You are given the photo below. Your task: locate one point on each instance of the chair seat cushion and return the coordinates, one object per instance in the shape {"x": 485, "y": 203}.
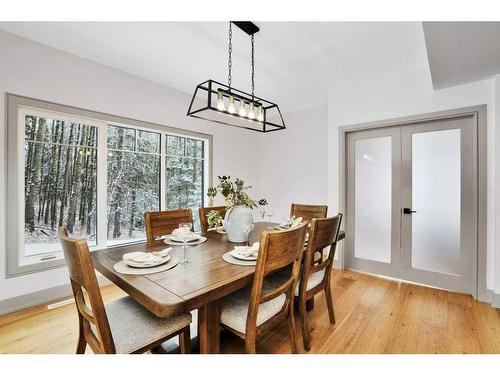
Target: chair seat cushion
{"x": 234, "y": 308}
{"x": 315, "y": 279}
{"x": 278, "y": 278}
{"x": 134, "y": 327}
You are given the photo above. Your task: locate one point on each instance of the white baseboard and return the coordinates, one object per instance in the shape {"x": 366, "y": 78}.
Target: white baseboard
{"x": 40, "y": 297}
{"x": 496, "y": 301}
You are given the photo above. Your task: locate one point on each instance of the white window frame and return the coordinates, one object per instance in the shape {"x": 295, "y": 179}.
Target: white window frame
{"x": 17, "y": 108}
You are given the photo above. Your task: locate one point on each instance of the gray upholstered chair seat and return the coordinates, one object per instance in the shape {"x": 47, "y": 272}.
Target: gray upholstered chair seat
{"x": 234, "y": 308}
{"x": 280, "y": 277}
{"x": 315, "y": 279}
{"x": 132, "y": 326}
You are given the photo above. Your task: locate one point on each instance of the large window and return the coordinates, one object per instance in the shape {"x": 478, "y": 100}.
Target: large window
{"x": 184, "y": 174}
{"x": 95, "y": 174}
{"x": 60, "y": 170}
{"x": 133, "y": 181}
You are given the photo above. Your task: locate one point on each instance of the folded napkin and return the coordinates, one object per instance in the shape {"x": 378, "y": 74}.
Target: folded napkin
{"x": 184, "y": 234}
{"x": 142, "y": 257}
{"x": 248, "y": 251}
{"x": 291, "y": 222}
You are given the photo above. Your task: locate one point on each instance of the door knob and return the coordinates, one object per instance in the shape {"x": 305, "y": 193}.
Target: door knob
{"x": 408, "y": 211}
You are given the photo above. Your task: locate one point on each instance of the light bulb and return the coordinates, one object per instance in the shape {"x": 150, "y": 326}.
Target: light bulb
{"x": 230, "y": 107}
{"x": 220, "y": 101}
{"x": 242, "y": 112}
{"x": 260, "y": 115}
{"x": 251, "y": 112}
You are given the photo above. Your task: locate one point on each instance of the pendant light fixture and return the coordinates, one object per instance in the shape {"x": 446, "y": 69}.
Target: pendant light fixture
{"x": 227, "y": 105}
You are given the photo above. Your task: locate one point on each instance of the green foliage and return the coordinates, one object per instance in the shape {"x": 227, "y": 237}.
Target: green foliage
{"x": 234, "y": 192}
{"x": 212, "y": 192}
{"x": 214, "y": 219}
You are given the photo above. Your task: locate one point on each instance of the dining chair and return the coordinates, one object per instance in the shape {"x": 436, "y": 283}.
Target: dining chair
{"x": 204, "y": 211}
{"x": 315, "y": 275}
{"x": 308, "y": 211}
{"x": 161, "y": 223}
{"x": 252, "y": 311}
{"x": 122, "y": 326}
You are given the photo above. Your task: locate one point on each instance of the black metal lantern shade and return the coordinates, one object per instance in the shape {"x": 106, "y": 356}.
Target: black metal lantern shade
{"x": 214, "y": 101}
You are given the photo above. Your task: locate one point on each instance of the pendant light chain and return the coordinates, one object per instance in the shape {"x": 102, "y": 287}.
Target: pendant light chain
{"x": 230, "y": 61}
{"x": 253, "y": 66}
{"x": 232, "y": 106}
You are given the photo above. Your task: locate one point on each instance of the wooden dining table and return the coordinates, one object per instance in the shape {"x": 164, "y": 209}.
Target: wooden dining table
{"x": 199, "y": 284}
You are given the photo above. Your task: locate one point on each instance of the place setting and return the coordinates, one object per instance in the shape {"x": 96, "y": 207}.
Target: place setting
{"x": 144, "y": 263}
{"x": 290, "y": 223}
{"x": 243, "y": 255}
{"x": 183, "y": 236}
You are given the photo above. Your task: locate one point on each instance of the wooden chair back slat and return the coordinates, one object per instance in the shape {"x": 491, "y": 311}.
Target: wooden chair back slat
{"x": 83, "y": 309}
{"x": 308, "y": 211}
{"x": 204, "y": 211}
{"x": 83, "y": 277}
{"x": 161, "y": 223}
{"x": 276, "y": 292}
{"x": 323, "y": 233}
{"x": 277, "y": 250}
{"x": 280, "y": 247}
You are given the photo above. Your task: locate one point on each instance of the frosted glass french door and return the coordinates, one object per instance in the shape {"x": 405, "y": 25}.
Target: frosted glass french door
{"x": 373, "y": 210}
{"x": 439, "y": 203}
{"x": 411, "y": 202}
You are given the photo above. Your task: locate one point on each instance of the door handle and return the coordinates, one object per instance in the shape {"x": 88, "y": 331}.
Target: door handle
{"x": 408, "y": 211}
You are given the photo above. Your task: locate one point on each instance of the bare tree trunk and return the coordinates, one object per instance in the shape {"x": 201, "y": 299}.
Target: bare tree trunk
{"x": 75, "y": 187}
{"x": 66, "y": 169}
{"x": 133, "y": 208}
{"x": 57, "y": 160}
{"x": 118, "y": 193}
{"x": 34, "y": 182}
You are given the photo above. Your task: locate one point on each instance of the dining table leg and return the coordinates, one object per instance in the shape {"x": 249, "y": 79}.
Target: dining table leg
{"x": 208, "y": 328}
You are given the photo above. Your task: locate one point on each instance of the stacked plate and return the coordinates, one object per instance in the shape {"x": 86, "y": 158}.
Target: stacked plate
{"x": 146, "y": 260}
{"x": 241, "y": 256}
{"x": 176, "y": 241}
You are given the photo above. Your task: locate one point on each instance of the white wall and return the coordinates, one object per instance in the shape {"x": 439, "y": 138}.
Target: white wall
{"x": 33, "y": 70}
{"x": 294, "y": 162}
{"x": 403, "y": 94}
{"x": 496, "y": 206}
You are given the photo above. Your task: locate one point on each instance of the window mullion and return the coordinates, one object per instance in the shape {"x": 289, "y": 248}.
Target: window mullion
{"x": 163, "y": 171}
{"x": 102, "y": 183}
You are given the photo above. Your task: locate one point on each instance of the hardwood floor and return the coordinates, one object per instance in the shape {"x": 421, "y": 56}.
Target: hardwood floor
{"x": 373, "y": 316}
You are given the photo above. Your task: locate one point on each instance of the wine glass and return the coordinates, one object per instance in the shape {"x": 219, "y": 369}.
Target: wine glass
{"x": 270, "y": 215}
{"x": 185, "y": 236}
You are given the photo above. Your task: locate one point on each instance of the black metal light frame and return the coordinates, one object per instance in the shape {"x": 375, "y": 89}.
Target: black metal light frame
{"x": 210, "y": 88}
{"x": 203, "y": 104}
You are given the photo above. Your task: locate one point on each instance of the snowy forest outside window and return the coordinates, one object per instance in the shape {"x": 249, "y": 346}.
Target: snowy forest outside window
{"x": 95, "y": 176}
{"x": 133, "y": 181}
{"x": 184, "y": 175}
{"x": 60, "y": 182}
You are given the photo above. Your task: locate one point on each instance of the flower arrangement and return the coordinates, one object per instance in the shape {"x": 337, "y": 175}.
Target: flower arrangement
{"x": 234, "y": 192}
{"x": 214, "y": 219}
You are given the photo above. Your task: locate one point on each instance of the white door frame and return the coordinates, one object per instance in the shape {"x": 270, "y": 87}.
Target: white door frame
{"x": 480, "y": 291}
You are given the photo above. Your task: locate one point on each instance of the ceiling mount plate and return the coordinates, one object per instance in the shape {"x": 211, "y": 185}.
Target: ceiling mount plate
{"x": 249, "y": 27}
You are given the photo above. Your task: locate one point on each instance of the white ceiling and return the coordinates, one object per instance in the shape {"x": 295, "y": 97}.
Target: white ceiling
{"x": 296, "y": 61}
{"x": 461, "y": 52}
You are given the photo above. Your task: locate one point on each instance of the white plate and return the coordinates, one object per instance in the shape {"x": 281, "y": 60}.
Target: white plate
{"x": 175, "y": 239}
{"x": 148, "y": 265}
{"x": 221, "y": 230}
{"x": 235, "y": 254}
{"x": 170, "y": 242}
